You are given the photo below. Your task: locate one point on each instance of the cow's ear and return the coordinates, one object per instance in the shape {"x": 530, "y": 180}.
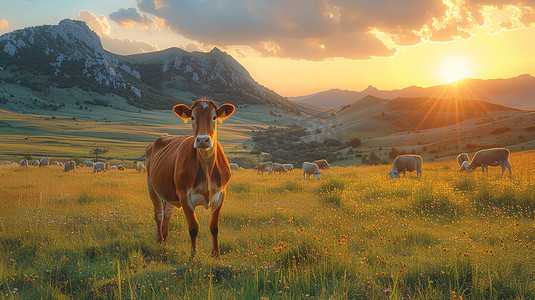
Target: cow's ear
{"x": 183, "y": 112}
{"x": 224, "y": 111}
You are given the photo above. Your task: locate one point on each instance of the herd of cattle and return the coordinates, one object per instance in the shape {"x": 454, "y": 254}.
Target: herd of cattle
{"x": 71, "y": 165}
{"x": 309, "y": 168}
{"x": 496, "y": 157}
{"x": 404, "y": 163}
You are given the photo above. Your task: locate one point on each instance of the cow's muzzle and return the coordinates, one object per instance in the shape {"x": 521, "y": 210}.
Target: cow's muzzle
{"x": 202, "y": 141}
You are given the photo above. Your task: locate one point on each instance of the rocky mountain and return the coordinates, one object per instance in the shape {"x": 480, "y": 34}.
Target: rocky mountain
{"x": 70, "y": 55}
{"x": 518, "y": 92}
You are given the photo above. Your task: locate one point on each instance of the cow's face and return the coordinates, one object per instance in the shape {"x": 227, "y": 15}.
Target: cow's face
{"x": 318, "y": 175}
{"x": 203, "y": 115}
{"x": 394, "y": 174}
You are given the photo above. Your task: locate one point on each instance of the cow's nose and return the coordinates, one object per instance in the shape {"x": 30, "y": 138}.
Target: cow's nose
{"x": 203, "y": 139}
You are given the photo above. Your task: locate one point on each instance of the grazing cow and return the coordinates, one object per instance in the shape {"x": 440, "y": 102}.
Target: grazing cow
{"x": 490, "y": 157}
{"x": 70, "y": 166}
{"x": 264, "y": 167}
{"x": 89, "y": 163}
{"x": 35, "y": 162}
{"x": 279, "y": 168}
{"x": 120, "y": 168}
{"x": 311, "y": 169}
{"x": 407, "y": 163}
{"x": 464, "y": 166}
{"x": 140, "y": 167}
{"x": 101, "y": 167}
{"x": 462, "y": 158}
{"x": 188, "y": 171}
{"x": 6, "y": 163}
{"x": 233, "y": 166}
{"x": 113, "y": 167}
{"x": 322, "y": 164}
{"x": 289, "y": 167}
{"x": 23, "y": 163}
{"x": 44, "y": 162}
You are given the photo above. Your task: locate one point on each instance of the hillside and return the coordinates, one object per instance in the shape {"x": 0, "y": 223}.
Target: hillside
{"x": 69, "y": 55}
{"x": 428, "y": 126}
{"x": 517, "y": 92}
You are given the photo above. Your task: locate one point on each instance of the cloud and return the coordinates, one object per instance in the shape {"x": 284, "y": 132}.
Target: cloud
{"x": 101, "y": 27}
{"x": 320, "y": 29}
{"x": 129, "y": 17}
{"x": 4, "y": 26}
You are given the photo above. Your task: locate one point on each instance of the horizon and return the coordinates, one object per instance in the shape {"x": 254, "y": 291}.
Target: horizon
{"x": 300, "y": 49}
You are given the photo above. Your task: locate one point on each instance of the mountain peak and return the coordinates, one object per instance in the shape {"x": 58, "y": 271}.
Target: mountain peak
{"x": 370, "y": 89}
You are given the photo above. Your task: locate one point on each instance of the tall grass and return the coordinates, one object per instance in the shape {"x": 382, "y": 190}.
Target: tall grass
{"x": 354, "y": 234}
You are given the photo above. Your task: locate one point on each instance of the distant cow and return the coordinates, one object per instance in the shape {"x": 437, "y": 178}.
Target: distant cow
{"x": 140, "y": 167}
{"x": 188, "y": 171}
{"x": 491, "y": 157}
{"x": 35, "y": 163}
{"x": 289, "y": 167}
{"x": 101, "y": 167}
{"x": 89, "y": 163}
{"x": 44, "y": 162}
{"x": 113, "y": 167}
{"x": 264, "y": 167}
{"x": 407, "y": 163}
{"x": 69, "y": 166}
{"x": 311, "y": 169}
{"x": 120, "y": 168}
{"x": 462, "y": 158}
{"x": 233, "y": 166}
{"x": 279, "y": 168}
{"x": 322, "y": 164}
{"x": 23, "y": 163}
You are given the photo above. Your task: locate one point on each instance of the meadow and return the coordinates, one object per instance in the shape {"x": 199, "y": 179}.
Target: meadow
{"x": 353, "y": 234}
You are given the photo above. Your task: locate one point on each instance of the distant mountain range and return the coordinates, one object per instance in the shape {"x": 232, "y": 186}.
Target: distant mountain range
{"x": 518, "y": 92}
{"x": 70, "y": 55}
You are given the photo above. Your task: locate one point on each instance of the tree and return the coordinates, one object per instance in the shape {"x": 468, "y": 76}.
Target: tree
{"x": 77, "y": 160}
{"x": 98, "y": 151}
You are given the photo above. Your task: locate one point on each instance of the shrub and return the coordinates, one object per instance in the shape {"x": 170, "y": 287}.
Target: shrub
{"x": 356, "y": 142}
{"x": 500, "y": 130}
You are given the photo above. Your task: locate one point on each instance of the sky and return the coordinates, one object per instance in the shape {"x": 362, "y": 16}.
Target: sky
{"x": 299, "y": 47}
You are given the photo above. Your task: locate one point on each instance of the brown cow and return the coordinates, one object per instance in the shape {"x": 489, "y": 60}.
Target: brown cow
{"x": 322, "y": 164}
{"x": 264, "y": 167}
{"x": 187, "y": 171}
{"x": 279, "y": 168}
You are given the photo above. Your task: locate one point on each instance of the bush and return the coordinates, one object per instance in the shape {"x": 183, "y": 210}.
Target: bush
{"x": 500, "y": 130}
{"x": 356, "y": 142}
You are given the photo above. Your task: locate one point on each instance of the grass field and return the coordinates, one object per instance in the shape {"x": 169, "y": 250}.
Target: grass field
{"x": 353, "y": 234}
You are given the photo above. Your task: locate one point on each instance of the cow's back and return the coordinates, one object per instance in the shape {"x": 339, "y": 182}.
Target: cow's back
{"x": 491, "y": 156}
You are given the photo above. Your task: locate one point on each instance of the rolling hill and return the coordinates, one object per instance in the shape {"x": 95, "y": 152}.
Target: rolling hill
{"x": 517, "y": 92}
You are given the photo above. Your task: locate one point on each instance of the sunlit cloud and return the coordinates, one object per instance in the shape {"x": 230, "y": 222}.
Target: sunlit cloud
{"x": 4, "y": 26}
{"x": 102, "y": 28}
{"x": 320, "y": 29}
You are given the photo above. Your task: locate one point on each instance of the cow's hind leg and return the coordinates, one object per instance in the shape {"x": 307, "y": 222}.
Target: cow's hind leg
{"x": 158, "y": 210}
{"x": 167, "y": 212}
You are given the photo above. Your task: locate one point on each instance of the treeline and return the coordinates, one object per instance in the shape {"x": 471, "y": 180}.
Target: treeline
{"x": 284, "y": 146}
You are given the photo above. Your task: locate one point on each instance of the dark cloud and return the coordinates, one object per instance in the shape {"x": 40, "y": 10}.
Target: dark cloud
{"x": 320, "y": 29}
{"x": 128, "y": 17}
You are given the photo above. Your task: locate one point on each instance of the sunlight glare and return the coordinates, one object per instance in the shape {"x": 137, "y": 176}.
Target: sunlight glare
{"x": 453, "y": 69}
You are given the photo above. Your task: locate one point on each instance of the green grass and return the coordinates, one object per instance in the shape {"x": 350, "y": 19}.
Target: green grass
{"x": 354, "y": 234}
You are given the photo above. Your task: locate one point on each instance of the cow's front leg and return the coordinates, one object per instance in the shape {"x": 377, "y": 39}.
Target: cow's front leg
{"x": 214, "y": 222}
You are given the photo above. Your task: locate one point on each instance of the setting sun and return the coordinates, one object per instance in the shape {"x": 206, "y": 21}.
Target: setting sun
{"x": 453, "y": 69}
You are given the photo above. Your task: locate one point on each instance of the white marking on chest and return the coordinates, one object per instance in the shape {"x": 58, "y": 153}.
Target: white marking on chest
{"x": 217, "y": 198}
{"x": 195, "y": 199}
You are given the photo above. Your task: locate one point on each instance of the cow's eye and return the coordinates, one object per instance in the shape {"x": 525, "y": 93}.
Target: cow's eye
{"x": 215, "y": 117}
{"x": 192, "y": 118}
